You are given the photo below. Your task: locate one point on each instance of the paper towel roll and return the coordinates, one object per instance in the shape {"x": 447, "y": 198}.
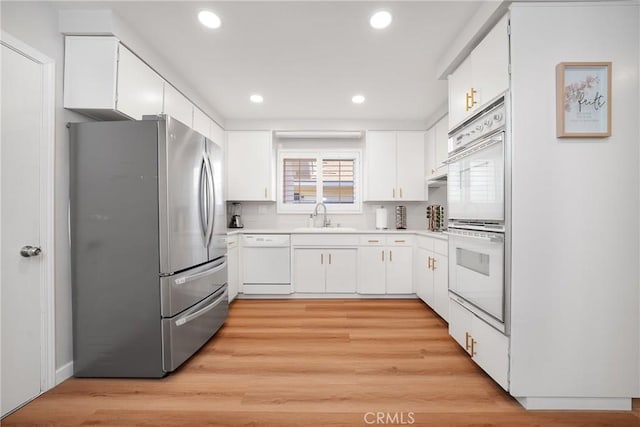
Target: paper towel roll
{"x": 381, "y": 218}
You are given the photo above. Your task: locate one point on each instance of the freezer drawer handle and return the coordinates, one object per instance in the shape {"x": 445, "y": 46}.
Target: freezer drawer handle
{"x": 202, "y": 311}
{"x": 186, "y": 279}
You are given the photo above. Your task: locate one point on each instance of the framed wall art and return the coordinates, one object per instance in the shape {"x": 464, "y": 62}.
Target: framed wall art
{"x": 583, "y": 99}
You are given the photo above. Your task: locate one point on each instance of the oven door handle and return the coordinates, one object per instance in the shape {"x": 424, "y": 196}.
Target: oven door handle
{"x": 473, "y": 149}
{"x": 477, "y": 236}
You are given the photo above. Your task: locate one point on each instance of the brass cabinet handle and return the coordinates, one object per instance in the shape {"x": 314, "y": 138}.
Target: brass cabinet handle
{"x": 473, "y": 347}
{"x": 383, "y": 255}
{"x": 399, "y": 241}
{"x": 329, "y": 258}
{"x": 394, "y": 193}
{"x": 373, "y": 241}
{"x": 390, "y": 256}
{"x": 467, "y": 335}
{"x": 433, "y": 264}
{"x": 265, "y": 192}
{"x": 470, "y": 100}
{"x": 429, "y": 263}
{"x": 401, "y": 192}
{"x": 321, "y": 258}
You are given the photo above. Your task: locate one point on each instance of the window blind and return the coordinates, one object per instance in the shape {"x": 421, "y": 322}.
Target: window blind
{"x": 338, "y": 185}
{"x": 300, "y": 178}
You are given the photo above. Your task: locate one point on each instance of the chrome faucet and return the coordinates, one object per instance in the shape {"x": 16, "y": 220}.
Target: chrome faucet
{"x": 325, "y": 222}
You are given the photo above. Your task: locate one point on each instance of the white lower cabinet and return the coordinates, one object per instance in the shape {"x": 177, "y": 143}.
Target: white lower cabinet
{"x": 431, "y": 274}
{"x": 385, "y": 264}
{"x": 317, "y": 270}
{"x": 487, "y": 347}
{"x": 233, "y": 267}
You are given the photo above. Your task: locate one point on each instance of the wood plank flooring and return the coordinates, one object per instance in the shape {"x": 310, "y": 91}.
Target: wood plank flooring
{"x": 310, "y": 363}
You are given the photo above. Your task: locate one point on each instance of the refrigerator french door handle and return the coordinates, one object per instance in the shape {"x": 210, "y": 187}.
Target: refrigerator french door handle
{"x": 211, "y": 202}
{"x": 201, "y": 201}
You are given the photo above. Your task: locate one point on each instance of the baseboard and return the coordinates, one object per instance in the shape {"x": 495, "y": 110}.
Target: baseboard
{"x": 576, "y": 403}
{"x": 299, "y": 295}
{"x": 64, "y": 372}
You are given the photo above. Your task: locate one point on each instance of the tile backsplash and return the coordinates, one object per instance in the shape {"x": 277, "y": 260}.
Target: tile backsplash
{"x": 264, "y": 215}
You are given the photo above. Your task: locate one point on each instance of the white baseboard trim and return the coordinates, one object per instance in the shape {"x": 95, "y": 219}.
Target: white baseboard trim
{"x": 576, "y": 403}
{"x": 318, "y": 296}
{"x": 64, "y": 372}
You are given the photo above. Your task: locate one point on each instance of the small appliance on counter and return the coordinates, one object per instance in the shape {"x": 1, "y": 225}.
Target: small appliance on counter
{"x": 381, "y": 218}
{"x": 435, "y": 218}
{"x": 401, "y": 217}
{"x": 236, "y": 216}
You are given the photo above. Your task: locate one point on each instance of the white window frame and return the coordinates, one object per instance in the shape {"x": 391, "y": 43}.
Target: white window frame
{"x": 319, "y": 155}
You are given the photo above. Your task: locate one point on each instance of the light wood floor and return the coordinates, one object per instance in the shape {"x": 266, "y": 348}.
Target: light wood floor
{"x": 310, "y": 363}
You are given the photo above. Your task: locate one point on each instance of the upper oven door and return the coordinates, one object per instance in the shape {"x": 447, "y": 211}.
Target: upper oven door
{"x": 475, "y": 183}
{"x": 476, "y": 269}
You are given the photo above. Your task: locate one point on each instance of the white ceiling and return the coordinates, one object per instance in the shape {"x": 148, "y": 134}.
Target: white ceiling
{"x": 306, "y": 58}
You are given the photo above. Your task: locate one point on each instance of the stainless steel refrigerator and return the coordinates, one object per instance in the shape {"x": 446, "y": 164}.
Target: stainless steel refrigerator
{"x": 148, "y": 226}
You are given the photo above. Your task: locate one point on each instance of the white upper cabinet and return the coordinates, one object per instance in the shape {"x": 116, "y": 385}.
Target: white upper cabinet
{"x": 395, "y": 166}
{"x": 201, "y": 122}
{"x": 481, "y": 77}
{"x": 140, "y": 89}
{"x": 436, "y": 140}
{"x": 250, "y": 166}
{"x": 105, "y": 80}
{"x": 177, "y": 105}
{"x": 217, "y": 134}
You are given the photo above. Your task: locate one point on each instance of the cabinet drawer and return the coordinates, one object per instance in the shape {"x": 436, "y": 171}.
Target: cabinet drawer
{"x": 324, "y": 240}
{"x": 400, "y": 240}
{"x": 232, "y": 242}
{"x": 441, "y": 247}
{"x": 425, "y": 243}
{"x": 460, "y": 324}
{"x": 373, "y": 240}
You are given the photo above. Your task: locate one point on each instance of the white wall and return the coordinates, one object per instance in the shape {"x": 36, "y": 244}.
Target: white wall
{"x": 576, "y": 210}
{"x": 36, "y": 24}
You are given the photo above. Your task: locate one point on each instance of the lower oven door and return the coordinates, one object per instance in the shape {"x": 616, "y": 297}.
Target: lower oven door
{"x": 186, "y": 332}
{"x": 476, "y": 269}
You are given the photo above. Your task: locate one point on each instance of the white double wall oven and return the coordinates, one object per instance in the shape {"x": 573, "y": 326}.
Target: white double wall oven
{"x": 478, "y": 184}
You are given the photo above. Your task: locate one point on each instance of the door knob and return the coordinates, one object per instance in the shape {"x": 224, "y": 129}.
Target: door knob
{"x": 29, "y": 251}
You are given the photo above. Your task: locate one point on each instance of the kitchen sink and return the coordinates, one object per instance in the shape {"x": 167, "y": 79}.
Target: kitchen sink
{"x": 324, "y": 230}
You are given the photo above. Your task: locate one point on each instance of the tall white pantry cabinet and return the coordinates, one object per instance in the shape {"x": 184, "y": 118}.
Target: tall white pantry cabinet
{"x": 574, "y": 338}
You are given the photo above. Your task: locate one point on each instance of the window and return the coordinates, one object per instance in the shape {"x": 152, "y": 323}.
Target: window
{"x": 309, "y": 177}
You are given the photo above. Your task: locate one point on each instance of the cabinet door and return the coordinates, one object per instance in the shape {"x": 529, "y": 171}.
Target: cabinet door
{"x": 381, "y": 166}
{"x": 441, "y": 144}
{"x": 140, "y": 89}
{"x": 177, "y": 105}
{"x": 309, "y": 270}
{"x": 430, "y": 152}
{"x": 491, "y": 351}
{"x": 249, "y": 166}
{"x": 399, "y": 280}
{"x": 371, "y": 270}
{"x": 490, "y": 64}
{"x": 410, "y": 166}
{"x": 460, "y": 83}
{"x": 233, "y": 267}
{"x": 422, "y": 276}
{"x": 460, "y": 324}
{"x": 342, "y": 270}
{"x": 201, "y": 122}
{"x": 440, "y": 269}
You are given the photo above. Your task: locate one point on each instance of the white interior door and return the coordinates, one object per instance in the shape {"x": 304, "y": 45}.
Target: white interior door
{"x": 22, "y": 128}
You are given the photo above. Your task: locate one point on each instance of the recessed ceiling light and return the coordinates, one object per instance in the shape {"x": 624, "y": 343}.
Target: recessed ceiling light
{"x": 256, "y": 98}
{"x": 380, "y": 19}
{"x": 358, "y": 99}
{"x": 209, "y": 19}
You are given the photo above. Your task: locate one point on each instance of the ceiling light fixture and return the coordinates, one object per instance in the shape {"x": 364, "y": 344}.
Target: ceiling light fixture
{"x": 358, "y": 99}
{"x": 256, "y": 98}
{"x": 209, "y": 19}
{"x": 381, "y": 19}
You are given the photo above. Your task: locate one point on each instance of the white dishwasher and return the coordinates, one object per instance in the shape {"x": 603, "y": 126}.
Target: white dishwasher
{"x": 266, "y": 260}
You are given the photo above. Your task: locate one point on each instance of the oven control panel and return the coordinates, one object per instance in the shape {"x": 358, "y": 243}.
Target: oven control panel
{"x": 484, "y": 124}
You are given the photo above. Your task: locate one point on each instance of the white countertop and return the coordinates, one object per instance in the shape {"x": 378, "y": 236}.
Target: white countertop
{"x": 426, "y": 233}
